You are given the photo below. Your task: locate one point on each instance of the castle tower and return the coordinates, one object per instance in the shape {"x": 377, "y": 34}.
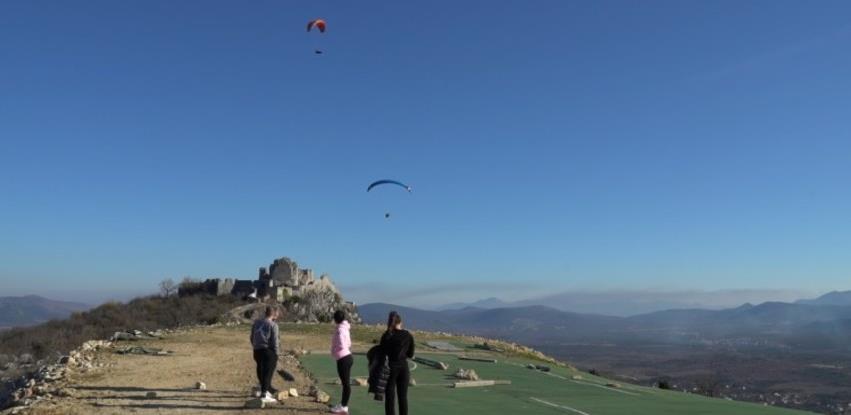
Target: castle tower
{"x": 284, "y": 271}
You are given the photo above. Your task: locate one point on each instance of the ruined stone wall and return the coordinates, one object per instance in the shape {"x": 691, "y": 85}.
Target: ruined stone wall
{"x": 242, "y": 288}
{"x": 210, "y": 286}
{"x": 285, "y": 271}
{"x": 224, "y": 286}
{"x": 305, "y": 276}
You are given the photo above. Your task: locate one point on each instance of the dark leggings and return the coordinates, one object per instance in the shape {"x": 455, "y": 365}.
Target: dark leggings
{"x": 344, "y": 369}
{"x": 266, "y": 361}
{"x": 397, "y": 384}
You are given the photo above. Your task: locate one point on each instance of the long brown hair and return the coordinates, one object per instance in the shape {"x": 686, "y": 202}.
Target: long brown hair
{"x": 393, "y": 320}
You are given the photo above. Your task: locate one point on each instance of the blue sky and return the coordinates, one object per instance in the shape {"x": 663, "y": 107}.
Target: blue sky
{"x": 551, "y": 145}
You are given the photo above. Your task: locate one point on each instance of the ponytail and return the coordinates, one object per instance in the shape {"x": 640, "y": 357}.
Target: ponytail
{"x": 393, "y": 320}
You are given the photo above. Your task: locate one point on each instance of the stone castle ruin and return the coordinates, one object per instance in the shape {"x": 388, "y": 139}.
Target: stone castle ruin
{"x": 305, "y": 297}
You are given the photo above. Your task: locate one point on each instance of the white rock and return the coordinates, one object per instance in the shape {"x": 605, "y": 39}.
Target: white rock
{"x": 359, "y": 381}
{"x": 322, "y": 397}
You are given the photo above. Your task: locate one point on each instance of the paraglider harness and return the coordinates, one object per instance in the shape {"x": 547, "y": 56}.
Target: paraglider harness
{"x": 379, "y": 371}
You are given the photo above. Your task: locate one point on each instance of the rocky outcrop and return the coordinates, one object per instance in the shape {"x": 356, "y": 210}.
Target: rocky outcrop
{"x": 48, "y": 381}
{"x": 318, "y": 304}
{"x": 304, "y": 297}
{"x": 315, "y": 307}
{"x": 246, "y": 314}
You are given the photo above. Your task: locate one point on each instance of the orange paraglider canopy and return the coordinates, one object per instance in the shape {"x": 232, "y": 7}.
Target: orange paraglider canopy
{"x": 318, "y": 23}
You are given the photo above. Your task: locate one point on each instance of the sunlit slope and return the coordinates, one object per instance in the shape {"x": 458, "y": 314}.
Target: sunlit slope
{"x": 530, "y": 391}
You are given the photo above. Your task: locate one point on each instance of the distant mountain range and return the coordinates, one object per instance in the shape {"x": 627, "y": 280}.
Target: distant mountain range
{"x": 32, "y": 309}
{"x": 804, "y": 322}
{"x": 531, "y": 324}
{"x": 841, "y": 298}
{"x": 492, "y": 302}
{"x": 625, "y": 303}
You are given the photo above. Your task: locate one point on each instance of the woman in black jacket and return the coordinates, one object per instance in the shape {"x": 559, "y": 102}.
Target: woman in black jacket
{"x": 398, "y": 345}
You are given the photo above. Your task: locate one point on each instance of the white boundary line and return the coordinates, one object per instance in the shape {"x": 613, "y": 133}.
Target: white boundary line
{"x": 593, "y": 384}
{"x": 582, "y": 383}
{"x": 565, "y": 407}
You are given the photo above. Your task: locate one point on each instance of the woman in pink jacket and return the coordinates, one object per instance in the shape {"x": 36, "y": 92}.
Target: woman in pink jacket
{"x": 341, "y": 345}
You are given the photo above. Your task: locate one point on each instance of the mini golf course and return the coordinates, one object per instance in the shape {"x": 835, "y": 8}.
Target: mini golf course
{"x": 530, "y": 392}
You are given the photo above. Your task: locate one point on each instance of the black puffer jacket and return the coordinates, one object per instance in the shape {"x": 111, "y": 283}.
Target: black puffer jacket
{"x": 379, "y": 372}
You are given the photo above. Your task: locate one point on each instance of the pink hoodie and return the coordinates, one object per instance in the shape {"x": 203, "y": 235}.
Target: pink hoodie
{"x": 342, "y": 342}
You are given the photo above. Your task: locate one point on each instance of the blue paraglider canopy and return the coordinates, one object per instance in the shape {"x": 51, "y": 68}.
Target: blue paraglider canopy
{"x": 380, "y": 182}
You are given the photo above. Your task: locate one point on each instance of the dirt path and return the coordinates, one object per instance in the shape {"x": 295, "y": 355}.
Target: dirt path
{"x": 220, "y": 357}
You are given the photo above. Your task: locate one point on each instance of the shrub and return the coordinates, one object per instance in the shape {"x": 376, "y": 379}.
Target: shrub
{"x": 58, "y": 337}
{"x": 190, "y": 286}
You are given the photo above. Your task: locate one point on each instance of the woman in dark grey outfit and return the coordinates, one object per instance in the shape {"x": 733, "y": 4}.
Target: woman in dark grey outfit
{"x": 266, "y": 344}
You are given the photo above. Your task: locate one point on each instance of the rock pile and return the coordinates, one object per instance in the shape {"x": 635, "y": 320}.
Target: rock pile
{"x": 319, "y": 395}
{"x": 48, "y": 381}
{"x": 153, "y": 351}
{"x": 136, "y": 335}
{"x": 465, "y": 374}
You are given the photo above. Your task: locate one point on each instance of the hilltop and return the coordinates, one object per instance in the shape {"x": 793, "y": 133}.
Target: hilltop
{"x": 840, "y": 298}
{"x": 196, "y": 333}
{"x": 98, "y": 379}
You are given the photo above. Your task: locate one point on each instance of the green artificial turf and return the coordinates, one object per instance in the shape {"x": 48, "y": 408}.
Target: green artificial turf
{"x": 531, "y": 392}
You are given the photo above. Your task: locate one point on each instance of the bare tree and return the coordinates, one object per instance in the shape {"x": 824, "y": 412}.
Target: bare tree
{"x": 168, "y": 287}
{"x": 708, "y": 384}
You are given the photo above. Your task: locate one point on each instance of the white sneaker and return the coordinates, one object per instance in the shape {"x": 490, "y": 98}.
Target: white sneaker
{"x": 339, "y": 409}
{"x": 268, "y": 398}
{"x": 257, "y": 391}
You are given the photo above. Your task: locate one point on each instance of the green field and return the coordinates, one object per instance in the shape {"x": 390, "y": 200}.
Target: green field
{"x": 531, "y": 391}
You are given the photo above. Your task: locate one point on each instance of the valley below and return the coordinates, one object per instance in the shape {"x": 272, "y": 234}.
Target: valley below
{"x": 772, "y": 375}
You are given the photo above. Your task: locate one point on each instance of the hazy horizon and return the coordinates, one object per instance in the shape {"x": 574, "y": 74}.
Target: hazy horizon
{"x": 612, "y": 302}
